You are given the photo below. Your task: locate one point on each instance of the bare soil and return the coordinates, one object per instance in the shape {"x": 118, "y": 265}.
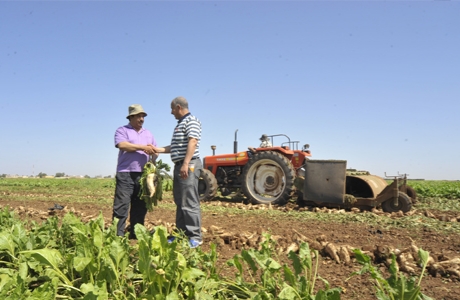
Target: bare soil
{"x": 226, "y": 230}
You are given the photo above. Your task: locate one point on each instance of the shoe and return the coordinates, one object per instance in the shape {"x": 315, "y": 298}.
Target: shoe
{"x": 171, "y": 239}
{"x": 194, "y": 243}
{"x": 56, "y": 207}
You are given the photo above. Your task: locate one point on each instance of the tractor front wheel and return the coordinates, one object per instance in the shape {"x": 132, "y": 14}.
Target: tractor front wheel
{"x": 404, "y": 204}
{"x": 268, "y": 178}
{"x": 207, "y": 185}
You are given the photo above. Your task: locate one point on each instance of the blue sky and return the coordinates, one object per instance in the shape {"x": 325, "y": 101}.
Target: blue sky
{"x": 375, "y": 83}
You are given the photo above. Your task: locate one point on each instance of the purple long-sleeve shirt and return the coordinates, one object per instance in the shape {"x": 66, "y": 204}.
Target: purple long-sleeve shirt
{"x": 132, "y": 161}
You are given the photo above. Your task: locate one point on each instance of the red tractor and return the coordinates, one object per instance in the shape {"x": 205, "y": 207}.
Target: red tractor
{"x": 265, "y": 174}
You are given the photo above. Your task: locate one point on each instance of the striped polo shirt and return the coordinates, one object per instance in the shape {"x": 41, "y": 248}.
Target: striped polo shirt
{"x": 187, "y": 127}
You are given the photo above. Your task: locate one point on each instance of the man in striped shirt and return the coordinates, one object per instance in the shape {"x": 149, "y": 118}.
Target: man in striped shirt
{"x": 185, "y": 155}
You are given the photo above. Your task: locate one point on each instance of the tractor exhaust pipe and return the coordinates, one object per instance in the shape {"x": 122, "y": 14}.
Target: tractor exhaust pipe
{"x": 235, "y": 143}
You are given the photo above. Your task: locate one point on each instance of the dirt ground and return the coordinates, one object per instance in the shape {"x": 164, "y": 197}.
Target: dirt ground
{"x": 220, "y": 227}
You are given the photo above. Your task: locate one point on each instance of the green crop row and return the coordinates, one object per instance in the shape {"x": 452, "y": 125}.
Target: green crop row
{"x": 59, "y": 183}
{"x": 75, "y": 260}
{"x": 88, "y": 261}
{"x": 436, "y": 188}
{"x": 74, "y": 190}
{"x": 424, "y": 188}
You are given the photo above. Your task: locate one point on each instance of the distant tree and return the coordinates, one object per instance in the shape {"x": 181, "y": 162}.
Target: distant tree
{"x": 41, "y": 175}
{"x": 60, "y": 174}
{"x": 87, "y": 176}
{"x": 3, "y": 175}
{"x": 108, "y": 176}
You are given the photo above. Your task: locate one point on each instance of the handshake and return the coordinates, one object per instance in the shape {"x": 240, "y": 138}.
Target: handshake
{"x": 151, "y": 149}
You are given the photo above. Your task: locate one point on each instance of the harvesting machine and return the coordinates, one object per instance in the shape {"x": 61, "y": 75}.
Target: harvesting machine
{"x": 273, "y": 174}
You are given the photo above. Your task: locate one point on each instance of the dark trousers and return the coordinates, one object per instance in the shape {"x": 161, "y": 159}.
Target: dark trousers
{"x": 187, "y": 199}
{"x": 126, "y": 195}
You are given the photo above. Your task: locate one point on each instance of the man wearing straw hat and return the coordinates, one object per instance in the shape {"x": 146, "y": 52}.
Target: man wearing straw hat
{"x": 135, "y": 145}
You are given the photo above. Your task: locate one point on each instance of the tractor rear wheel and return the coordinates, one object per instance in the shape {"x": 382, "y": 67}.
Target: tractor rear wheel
{"x": 207, "y": 185}
{"x": 404, "y": 204}
{"x": 410, "y": 192}
{"x": 268, "y": 178}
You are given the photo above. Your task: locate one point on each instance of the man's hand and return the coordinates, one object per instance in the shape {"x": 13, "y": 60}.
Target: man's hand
{"x": 184, "y": 171}
{"x": 159, "y": 150}
{"x": 156, "y": 149}
{"x": 150, "y": 149}
{"x": 130, "y": 147}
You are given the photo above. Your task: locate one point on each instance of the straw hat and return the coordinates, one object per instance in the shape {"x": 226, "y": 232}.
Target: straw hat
{"x": 264, "y": 137}
{"x": 135, "y": 109}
